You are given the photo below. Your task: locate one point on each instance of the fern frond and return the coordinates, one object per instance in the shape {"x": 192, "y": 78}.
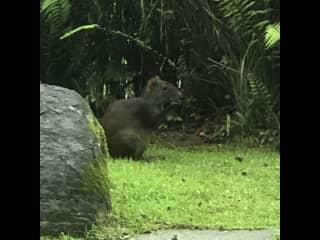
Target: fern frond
{"x": 56, "y": 12}
{"x": 272, "y": 35}
{"x": 259, "y": 92}
{"x": 244, "y": 16}
{"x": 246, "y": 5}
{"x": 261, "y": 25}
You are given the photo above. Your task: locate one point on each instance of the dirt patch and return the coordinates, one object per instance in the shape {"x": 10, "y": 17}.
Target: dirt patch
{"x": 177, "y": 139}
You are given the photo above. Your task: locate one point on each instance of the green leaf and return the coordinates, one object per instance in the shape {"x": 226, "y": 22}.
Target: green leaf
{"x": 272, "y": 35}
{"x": 56, "y": 12}
{"x": 78, "y": 29}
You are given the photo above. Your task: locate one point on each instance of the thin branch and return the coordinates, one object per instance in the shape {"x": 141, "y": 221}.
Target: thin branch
{"x": 223, "y": 65}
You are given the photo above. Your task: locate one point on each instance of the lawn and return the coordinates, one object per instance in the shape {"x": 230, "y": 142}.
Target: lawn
{"x": 203, "y": 187}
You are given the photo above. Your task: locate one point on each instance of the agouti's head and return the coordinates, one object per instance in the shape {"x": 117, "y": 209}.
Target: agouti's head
{"x": 161, "y": 93}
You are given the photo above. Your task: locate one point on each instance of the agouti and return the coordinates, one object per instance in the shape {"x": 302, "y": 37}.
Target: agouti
{"x": 128, "y": 123}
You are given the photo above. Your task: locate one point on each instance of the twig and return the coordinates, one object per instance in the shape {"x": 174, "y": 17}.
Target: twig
{"x": 223, "y": 65}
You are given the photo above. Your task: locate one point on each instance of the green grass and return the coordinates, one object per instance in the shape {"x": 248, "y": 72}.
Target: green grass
{"x": 205, "y": 187}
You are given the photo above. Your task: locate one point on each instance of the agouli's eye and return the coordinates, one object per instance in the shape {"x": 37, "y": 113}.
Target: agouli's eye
{"x": 164, "y": 88}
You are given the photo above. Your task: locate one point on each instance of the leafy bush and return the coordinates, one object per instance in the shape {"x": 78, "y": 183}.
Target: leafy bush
{"x": 223, "y": 54}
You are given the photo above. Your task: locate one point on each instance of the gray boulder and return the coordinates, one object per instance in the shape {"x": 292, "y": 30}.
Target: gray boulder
{"x": 74, "y": 188}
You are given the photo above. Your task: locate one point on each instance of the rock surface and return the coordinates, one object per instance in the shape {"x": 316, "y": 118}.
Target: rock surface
{"x": 74, "y": 191}
{"x": 208, "y": 235}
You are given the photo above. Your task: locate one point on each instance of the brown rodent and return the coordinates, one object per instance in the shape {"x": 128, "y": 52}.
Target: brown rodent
{"x": 128, "y": 123}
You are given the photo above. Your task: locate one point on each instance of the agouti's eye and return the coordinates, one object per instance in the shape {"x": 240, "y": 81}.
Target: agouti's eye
{"x": 165, "y": 88}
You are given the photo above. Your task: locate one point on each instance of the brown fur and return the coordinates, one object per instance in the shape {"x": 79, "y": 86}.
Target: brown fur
{"x": 128, "y": 123}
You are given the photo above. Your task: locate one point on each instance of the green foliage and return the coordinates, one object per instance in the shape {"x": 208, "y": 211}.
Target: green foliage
{"x": 258, "y": 120}
{"x": 276, "y": 237}
{"x": 78, "y": 29}
{"x": 272, "y": 35}
{"x": 56, "y": 12}
{"x": 259, "y": 92}
{"x": 244, "y": 16}
{"x": 61, "y": 237}
{"x": 249, "y": 67}
{"x": 269, "y": 137}
{"x": 209, "y": 48}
